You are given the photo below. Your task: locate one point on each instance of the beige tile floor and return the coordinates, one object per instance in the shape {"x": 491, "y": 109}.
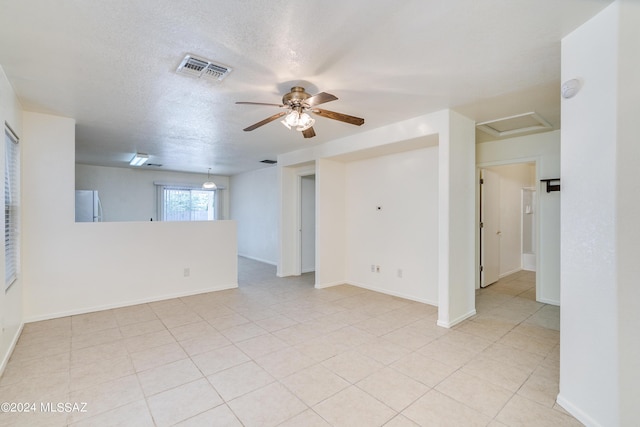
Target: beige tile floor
{"x": 279, "y": 352}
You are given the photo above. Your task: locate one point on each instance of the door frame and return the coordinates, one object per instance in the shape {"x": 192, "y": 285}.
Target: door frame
{"x": 300, "y": 173}
{"x": 536, "y": 161}
{"x": 300, "y": 178}
{"x": 522, "y": 213}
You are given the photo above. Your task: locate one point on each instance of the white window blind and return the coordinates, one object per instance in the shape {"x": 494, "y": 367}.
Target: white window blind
{"x": 11, "y": 206}
{"x": 183, "y": 203}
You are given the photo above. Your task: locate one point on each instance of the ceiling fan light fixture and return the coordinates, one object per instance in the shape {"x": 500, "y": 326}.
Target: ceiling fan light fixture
{"x": 285, "y": 124}
{"x": 298, "y": 104}
{"x": 291, "y": 119}
{"x": 299, "y": 121}
{"x": 305, "y": 122}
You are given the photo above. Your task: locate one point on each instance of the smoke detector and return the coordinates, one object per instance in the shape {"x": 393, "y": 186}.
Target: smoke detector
{"x": 203, "y": 68}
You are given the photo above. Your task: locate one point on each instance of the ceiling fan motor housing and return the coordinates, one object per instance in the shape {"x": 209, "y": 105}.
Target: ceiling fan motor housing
{"x": 296, "y": 97}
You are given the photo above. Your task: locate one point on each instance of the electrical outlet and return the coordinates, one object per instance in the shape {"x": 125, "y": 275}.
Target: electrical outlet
{"x": 399, "y": 273}
{"x": 373, "y": 268}
{"x": 377, "y": 269}
{"x": 187, "y": 272}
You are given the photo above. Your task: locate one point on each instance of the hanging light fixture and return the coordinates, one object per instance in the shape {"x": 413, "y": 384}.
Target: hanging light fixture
{"x": 209, "y": 185}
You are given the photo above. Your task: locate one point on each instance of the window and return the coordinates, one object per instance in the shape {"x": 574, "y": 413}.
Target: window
{"x": 179, "y": 203}
{"x": 11, "y": 206}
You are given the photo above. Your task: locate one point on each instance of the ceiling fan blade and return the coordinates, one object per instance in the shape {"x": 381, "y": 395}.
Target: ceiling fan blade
{"x": 259, "y": 103}
{"x": 320, "y": 98}
{"x": 339, "y": 116}
{"x": 309, "y": 133}
{"x": 265, "y": 121}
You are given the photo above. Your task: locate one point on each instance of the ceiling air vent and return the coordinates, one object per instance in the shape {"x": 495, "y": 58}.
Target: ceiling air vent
{"x": 200, "y": 67}
{"x": 269, "y": 162}
{"x": 521, "y": 123}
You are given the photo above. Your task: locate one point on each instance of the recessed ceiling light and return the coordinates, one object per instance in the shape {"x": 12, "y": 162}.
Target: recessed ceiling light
{"x": 139, "y": 159}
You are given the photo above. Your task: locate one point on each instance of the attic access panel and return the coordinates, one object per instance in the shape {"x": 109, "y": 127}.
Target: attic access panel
{"x": 514, "y": 125}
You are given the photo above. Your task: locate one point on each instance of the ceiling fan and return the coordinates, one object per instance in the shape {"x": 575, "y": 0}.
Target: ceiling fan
{"x": 297, "y": 105}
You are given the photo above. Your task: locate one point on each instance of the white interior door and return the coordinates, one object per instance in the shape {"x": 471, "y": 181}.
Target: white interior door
{"x": 490, "y": 231}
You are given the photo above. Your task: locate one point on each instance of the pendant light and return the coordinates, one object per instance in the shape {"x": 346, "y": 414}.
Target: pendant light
{"x": 209, "y": 185}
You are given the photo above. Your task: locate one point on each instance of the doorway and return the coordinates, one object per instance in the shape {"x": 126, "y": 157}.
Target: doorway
{"x": 307, "y": 223}
{"x": 529, "y": 212}
{"x": 507, "y": 221}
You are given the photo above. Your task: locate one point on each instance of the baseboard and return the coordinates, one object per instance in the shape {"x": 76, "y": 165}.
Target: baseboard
{"x": 576, "y": 412}
{"x": 12, "y": 347}
{"x": 308, "y": 270}
{"x": 548, "y": 301}
{"x": 125, "y": 304}
{"x": 329, "y": 284}
{"x": 509, "y": 273}
{"x": 454, "y": 322}
{"x": 392, "y": 293}
{"x": 257, "y": 259}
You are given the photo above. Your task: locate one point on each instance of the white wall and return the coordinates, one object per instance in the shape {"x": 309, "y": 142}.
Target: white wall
{"x": 254, "y": 206}
{"x": 330, "y": 223}
{"x": 403, "y": 234}
{"x": 628, "y": 212}
{"x": 544, "y": 149}
{"x": 73, "y": 267}
{"x": 128, "y": 194}
{"x": 600, "y": 350}
{"x": 513, "y": 178}
{"x": 11, "y": 312}
{"x": 455, "y": 136}
{"x": 456, "y": 220}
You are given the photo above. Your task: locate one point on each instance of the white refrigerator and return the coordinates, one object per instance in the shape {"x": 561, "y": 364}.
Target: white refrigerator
{"x": 88, "y": 206}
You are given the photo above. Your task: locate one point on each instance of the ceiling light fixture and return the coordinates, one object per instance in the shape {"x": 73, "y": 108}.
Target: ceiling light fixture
{"x": 209, "y": 185}
{"x": 298, "y": 119}
{"x": 139, "y": 159}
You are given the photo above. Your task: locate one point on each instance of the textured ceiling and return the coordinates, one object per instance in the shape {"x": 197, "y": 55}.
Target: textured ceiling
{"x": 111, "y": 66}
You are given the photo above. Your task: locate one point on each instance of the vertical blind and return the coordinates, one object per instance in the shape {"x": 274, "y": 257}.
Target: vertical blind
{"x": 11, "y": 206}
{"x": 179, "y": 203}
